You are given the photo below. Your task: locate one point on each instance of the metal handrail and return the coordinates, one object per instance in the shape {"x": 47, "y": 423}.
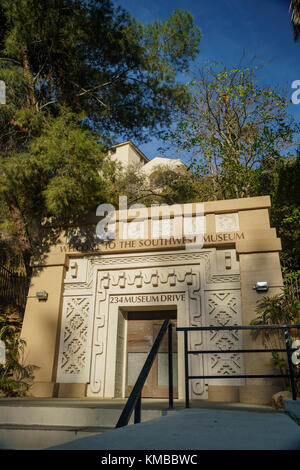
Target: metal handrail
{"x": 134, "y": 400}
{"x": 236, "y": 327}
{"x": 288, "y": 351}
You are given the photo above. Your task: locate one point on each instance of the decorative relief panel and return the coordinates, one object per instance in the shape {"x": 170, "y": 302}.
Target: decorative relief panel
{"x": 196, "y": 319}
{"x": 143, "y": 287}
{"x": 77, "y": 271}
{"x": 75, "y": 342}
{"x": 96, "y": 387}
{"x": 223, "y": 308}
{"x": 227, "y": 223}
{"x": 151, "y": 259}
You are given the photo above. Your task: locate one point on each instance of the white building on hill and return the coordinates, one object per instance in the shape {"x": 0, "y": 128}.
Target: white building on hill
{"x": 127, "y": 154}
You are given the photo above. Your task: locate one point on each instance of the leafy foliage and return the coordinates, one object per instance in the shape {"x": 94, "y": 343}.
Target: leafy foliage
{"x": 280, "y": 310}
{"x": 234, "y": 127}
{"x": 165, "y": 185}
{"x": 78, "y": 72}
{"x": 98, "y": 59}
{"x": 15, "y": 377}
{"x": 177, "y": 186}
{"x": 282, "y": 183}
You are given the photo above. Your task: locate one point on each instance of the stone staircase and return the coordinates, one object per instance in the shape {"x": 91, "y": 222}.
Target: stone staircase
{"x": 38, "y": 423}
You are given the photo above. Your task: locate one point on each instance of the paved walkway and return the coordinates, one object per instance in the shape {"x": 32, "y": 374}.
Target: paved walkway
{"x": 201, "y": 429}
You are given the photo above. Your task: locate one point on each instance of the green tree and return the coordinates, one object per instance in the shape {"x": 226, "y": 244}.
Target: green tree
{"x": 165, "y": 185}
{"x": 282, "y": 183}
{"x": 97, "y": 59}
{"x": 56, "y": 177}
{"x": 77, "y": 72}
{"x": 234, "y": 127}
{"x": 178, "y": 186}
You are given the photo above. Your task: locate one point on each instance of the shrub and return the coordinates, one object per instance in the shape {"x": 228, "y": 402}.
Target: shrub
{"x": 280, "y": 309}
{"x": 16, "y": 378}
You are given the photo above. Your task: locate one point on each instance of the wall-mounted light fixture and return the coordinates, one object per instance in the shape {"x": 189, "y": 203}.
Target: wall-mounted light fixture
{"x": 42, "y": 295}
{"x": 261, "y": 286}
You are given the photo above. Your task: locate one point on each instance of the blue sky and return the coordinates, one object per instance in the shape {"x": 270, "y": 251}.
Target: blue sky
{"x": 229, "y": 27}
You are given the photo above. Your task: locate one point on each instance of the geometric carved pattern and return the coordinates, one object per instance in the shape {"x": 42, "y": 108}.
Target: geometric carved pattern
{"x": 215, "y": 278}
{"x": 73, "y": 347}
{"x": 150, "y": 259}
{"x": 138, "y": 285}
{"x": 141, "y": 278}
{"x": 143, "y": 259}
{"x": 223, "y": 309}
{"x": 82, "y": 358}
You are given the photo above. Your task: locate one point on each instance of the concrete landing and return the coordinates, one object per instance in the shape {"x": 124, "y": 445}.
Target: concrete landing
{"x": 38, "y": 423}
{"x": 201, "y": 429}
{"x": 292, "y": 407}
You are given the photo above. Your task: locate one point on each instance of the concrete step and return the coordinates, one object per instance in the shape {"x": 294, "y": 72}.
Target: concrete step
{"x": 41, "y": 423}
{"x": 30, "y": 437}
{"x": 78, "y": 415}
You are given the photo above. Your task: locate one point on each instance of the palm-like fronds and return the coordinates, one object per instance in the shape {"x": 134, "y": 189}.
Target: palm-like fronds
{"x": 295, "y": 7}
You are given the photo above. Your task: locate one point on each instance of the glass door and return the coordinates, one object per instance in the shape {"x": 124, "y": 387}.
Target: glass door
{"x": 140, "y": 338}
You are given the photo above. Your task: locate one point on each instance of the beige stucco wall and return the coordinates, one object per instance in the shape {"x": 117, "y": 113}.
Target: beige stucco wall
{"x": 255, "y": 267}
{"x": 126, "y": 154}
{"x": 41, "y": 326}
{"x": 258, "y": 255}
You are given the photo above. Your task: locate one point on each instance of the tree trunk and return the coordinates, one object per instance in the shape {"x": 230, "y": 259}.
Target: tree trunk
{"x": 31, "y": 99}
{"x": 22, "y": 234}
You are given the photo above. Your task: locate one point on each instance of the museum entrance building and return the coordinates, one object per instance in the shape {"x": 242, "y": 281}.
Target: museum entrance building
{"x": 92, "y": 332}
